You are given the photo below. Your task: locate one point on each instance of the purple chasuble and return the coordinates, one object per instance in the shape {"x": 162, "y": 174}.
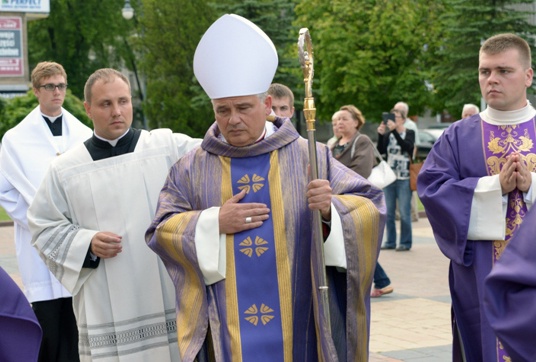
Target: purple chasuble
{"x": 499, "y": 142}
{"x": 446, "y": 186}
{"x": 20, "y": 332}
{"x": 511, "y": 291}
{"x": 264, "y": 308}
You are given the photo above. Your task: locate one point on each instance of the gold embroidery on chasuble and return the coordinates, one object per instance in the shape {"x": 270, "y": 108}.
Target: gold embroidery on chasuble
{"x": 502, "y": 351}
{"x": 504, "y": 140}
{"x": 248, "y": 249}
{"x": 254, "y": 314}
{"x": 255, "y": 182}
{"x": 265, "y": 305}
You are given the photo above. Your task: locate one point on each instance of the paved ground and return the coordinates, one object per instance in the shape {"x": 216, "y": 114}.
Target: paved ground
{"x": 411, "y": 324}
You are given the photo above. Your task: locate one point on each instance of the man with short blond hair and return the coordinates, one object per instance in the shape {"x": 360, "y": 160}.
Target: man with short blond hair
{"x": 27, "y": 150}
{"x": 476, "y": 186}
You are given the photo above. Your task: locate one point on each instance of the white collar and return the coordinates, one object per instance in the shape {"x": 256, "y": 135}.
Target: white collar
{"x": 52, "y": 119}
{"x": 495, "y": 117}
{"x": 112, "y": 142}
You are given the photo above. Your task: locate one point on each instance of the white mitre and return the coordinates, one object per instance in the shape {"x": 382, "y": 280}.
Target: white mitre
{"x": 234, "y": 58}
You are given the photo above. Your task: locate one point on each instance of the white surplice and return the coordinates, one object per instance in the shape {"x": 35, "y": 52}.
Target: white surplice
{"x": 125, "y": 308}
{"x": 27, "y": 150}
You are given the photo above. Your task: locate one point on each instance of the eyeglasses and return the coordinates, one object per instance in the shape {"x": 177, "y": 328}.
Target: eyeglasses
{"x": 49, "y": 87}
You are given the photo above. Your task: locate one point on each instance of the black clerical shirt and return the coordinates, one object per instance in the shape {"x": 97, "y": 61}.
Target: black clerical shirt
{"x": 99, "y": 149}
{"x": 56, "y": 126}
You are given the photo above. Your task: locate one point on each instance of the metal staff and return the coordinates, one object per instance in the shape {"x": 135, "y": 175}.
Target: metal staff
{"x": 305, "y": 50}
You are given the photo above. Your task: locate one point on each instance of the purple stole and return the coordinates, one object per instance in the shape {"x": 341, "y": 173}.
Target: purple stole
{"x": 258, "y": 310}
{"x": 499, "y": 142}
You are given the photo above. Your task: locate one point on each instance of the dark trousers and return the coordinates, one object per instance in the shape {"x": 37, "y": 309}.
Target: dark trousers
{"x": 381, "y": 280}
{"x": 60, "y": 333}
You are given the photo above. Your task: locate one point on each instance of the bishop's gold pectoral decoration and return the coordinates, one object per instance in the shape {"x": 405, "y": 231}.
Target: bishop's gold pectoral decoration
{"x": 255, "y": 181}
{"x": 254, "y": 316}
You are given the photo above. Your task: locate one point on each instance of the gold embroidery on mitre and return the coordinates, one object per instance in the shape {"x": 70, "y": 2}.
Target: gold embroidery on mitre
{"x": 256, "y": 181}
{"x": 265, "y": 314}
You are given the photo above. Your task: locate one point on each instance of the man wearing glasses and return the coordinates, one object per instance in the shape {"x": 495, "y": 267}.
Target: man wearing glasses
{"x": 27, "y": 150}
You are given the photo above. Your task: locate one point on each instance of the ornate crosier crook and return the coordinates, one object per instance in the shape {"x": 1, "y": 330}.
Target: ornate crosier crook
{"x": 305, "y": 50}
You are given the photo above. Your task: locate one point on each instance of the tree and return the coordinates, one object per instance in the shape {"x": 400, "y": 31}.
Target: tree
{"x": 80, "y": 35}
{"x": 466, "y": 24}
{"x": 168, "y": 36}
{"x": 370, "y": 53}
{"x": 168, "y": 33}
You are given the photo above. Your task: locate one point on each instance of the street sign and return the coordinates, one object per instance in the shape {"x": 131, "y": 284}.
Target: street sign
{"x": 25, "y": 6}
{"x": 11, "y": 51}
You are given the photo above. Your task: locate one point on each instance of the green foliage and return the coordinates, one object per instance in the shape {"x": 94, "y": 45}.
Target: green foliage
{"x": 370, "y": 53}
{"x": 81, "y": 35}
{"x": 3, "y": 215}
{"x": 170, "y": 31}
{"x": 276, "y": 19}
{"x": 16, "y": 109}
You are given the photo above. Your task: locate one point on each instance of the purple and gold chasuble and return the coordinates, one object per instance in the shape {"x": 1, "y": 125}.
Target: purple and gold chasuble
{"x": 467, "y": 151}
{"x": 499, "y": 142}
{"x": 264, "y": 309}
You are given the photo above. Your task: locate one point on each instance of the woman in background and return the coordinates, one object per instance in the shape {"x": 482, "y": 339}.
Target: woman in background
{"x": 356, "y": 151}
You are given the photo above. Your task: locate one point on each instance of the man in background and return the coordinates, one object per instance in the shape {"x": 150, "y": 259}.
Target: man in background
{"x": 27, "y": 150}
{"x": 469, "y": 110}
{"x": 409, "y": 124}
{"x": 282, "y": 100}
